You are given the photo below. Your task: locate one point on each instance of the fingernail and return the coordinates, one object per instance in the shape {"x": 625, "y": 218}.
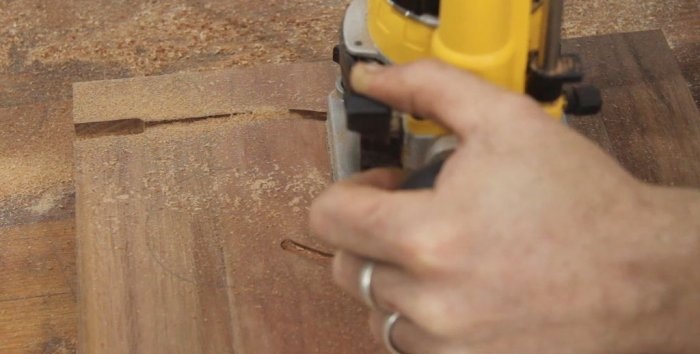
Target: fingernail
{"x": 362, "y": 75}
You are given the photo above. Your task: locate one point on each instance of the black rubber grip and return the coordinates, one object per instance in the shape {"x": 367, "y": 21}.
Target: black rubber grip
{"x": 425, "y": 177}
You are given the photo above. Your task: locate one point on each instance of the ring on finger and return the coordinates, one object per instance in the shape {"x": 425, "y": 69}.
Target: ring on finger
{"x": 366, "y": 274}
{"x": 389, "y": 324}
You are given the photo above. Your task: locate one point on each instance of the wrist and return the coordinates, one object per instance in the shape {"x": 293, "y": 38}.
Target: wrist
{"x": 669, "y": 320}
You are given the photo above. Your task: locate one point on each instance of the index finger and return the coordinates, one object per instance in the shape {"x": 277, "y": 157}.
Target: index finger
{"x": 364, "y": 216}
{"x": 459, "y": 100}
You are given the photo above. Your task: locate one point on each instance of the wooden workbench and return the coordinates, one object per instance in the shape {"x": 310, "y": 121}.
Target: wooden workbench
{"x": 46, "y": 46}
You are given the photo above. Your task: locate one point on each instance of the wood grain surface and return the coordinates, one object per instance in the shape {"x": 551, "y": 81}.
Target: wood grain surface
{"x": 679, "y": 20}
{"x": 192, "y": 236}
{"x": 45, "y": 46}
{"x": 186, "y": 241}
{"x": 37, "y": 288}
{"x": 649, "y": 121}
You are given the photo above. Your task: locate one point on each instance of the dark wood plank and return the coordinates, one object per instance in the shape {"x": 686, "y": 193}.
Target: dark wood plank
{"x": 180, "y": 233}
{"x": 649, "y": 121}
{"x": 44, "y": 324}
{"x": 679, "y": 20}
{"x": 37, "y": 288}
{"x": 33, "y": 268}
{"x": 182, "y": 227}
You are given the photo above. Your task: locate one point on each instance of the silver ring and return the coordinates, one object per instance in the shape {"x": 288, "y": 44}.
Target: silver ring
{"x": 366, "y": 274}
{"x": 388, "y": 328}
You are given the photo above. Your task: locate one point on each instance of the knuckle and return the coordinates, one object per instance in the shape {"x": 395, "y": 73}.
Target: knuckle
{"x": 429, "y": 247}
{"x": 440, "y": 318}
{"x": 328, "y": 207}
{"x": 434, "y": 314}
{"x": 407, "y": 244}
{"x": 376, "y": 215}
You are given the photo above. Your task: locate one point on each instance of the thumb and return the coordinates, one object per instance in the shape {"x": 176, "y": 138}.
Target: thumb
{"x": 458, "y": 100}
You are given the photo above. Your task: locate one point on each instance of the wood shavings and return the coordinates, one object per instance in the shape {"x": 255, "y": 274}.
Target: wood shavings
{"x": 155, "y": 37}
{"x": 26, "y": 175}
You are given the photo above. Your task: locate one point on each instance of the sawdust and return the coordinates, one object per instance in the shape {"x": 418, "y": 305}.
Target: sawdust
{"x": 180, "y": 155}
{"x": 149, "y": 37}
{"x": 35, "y": 186}
{"x": 35, "y": 159}
{"x": 200, "y": 173}
{"x": 31, "y": 174}
{"x": 260, "y": 181}
{"x": 134, "y": 38}
{"x": 46, "y": 203}
{"x": 35, "y": 146}
{"x": 155, "y": 37}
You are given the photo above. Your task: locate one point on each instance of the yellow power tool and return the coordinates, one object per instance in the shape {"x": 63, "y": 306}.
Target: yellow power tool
{"x": 512, "y": 43}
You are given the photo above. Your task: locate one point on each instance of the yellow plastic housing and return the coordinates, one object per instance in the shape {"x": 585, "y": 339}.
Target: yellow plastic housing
{"x": 487, "y": 37}
{"x": 491, "y": 38}
{"x": 399, "y": 38}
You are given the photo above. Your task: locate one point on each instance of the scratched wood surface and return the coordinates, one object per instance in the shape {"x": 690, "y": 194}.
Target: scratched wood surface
{"x": 192, "y": 235}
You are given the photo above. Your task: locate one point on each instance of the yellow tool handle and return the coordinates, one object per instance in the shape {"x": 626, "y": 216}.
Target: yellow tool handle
{"x": 487, "y": 37}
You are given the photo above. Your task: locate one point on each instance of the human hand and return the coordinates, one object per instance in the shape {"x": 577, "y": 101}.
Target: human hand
{"x": 532, "y": 241}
